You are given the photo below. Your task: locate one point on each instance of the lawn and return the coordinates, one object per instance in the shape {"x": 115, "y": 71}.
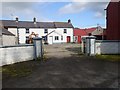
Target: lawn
{"x": 109, "y": 57}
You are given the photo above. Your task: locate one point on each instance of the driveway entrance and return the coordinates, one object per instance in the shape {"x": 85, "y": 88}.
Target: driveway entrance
{"x": 61, "y": 50}
{"x": 64, "y": 68}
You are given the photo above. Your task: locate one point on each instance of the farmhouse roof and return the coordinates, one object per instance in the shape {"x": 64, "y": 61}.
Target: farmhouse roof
{"x": 63, "y": 24}
{"x": 31, "y": 24}
{"x": 8, "y": 23}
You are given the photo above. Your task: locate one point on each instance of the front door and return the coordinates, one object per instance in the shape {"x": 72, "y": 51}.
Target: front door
{"x": 68, "y": 39}
{"x": 50, "y": 40}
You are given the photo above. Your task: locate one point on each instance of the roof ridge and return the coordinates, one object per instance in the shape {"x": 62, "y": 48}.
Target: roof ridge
{"x": 36, "y": 21}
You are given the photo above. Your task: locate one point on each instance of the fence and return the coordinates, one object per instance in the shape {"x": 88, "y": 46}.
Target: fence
{"x": 19, "y": 53}
{"x": 107, "y": 47}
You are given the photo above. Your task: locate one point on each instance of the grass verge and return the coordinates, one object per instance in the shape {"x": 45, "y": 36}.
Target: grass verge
{"x": 19, "y": 69}
{"x": 115, "y": 58}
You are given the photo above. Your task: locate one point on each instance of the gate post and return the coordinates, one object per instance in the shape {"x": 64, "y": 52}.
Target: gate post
{"x": 38, "y": 48}
{"x": 90, "y": 46}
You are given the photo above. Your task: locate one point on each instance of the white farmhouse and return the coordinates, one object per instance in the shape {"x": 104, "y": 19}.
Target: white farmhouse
{"x": 52, "y": 32}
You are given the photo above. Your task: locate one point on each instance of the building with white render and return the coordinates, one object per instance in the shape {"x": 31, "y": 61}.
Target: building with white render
{"x": 52, "y": 32}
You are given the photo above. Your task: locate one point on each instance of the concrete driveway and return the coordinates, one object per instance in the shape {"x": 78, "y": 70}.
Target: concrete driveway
{"x": 64, "y": 68}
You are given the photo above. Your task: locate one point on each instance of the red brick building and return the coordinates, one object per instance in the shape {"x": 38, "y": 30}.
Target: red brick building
{"x": 113, "y": 21}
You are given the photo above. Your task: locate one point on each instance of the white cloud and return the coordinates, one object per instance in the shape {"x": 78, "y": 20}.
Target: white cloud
{"x": 98, "y": 14}
{"x": 23, "y": 10}
{"x": 72, "y": 8}
{"x": 77, "y": 7}
{"x": 13, "y": 9}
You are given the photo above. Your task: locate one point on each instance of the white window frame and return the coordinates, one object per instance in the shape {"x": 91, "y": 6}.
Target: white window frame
{"x": 65, "y": 30}
{"x": 27, "y": 30}
{"x": 56, "y": 38}
{"x": 45, "y": 30}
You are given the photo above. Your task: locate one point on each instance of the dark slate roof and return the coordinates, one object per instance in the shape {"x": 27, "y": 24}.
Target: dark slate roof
{"x": 37, "y": 25}
{"x": 5, "y": 31}
{"x": 46, "y": 24}
{"x": 24, "y": 24}
{"x": 8, "y": 23}
{"x": 63, "y": 25}
{"x": 28, "y": 24}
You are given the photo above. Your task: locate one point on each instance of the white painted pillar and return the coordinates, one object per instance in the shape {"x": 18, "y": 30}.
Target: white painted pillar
{"x": 38, "y": 48}
{"x": 90, "y": 45}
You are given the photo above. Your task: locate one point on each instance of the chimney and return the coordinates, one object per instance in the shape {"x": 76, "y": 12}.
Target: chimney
{"x": 89, "y": 34}
{"x": 16, "y": 19}
{"x": 69, "y": 21}
{"x": 34, "y": 20}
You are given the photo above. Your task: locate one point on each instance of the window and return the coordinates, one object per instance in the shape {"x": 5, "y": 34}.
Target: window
{"x": 44, "y": 38}
{"x": 27, "y": 30}
{"x": 76, "y": 38}
{"x": 61, "y": 37}
{"x": 56, "y": 38}
{"x": 46, "y": 31}
{"x": 27, "y": 39}
{"x": 65, "y": 30}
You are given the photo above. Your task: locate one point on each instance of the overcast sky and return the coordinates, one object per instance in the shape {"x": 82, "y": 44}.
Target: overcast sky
{"x": 82, "y": 14}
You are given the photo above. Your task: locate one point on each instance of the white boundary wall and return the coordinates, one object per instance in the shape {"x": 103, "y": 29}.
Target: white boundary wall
{"x": 14, "y": 54}
{"x": 107, "y": 47}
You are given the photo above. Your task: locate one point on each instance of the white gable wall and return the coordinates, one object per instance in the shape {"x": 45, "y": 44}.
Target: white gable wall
{"x": 60, "y": 32}
{"x": 22, "y": 35}
{"x": 13, "y": 30}
{"x": 53, "y": 38}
